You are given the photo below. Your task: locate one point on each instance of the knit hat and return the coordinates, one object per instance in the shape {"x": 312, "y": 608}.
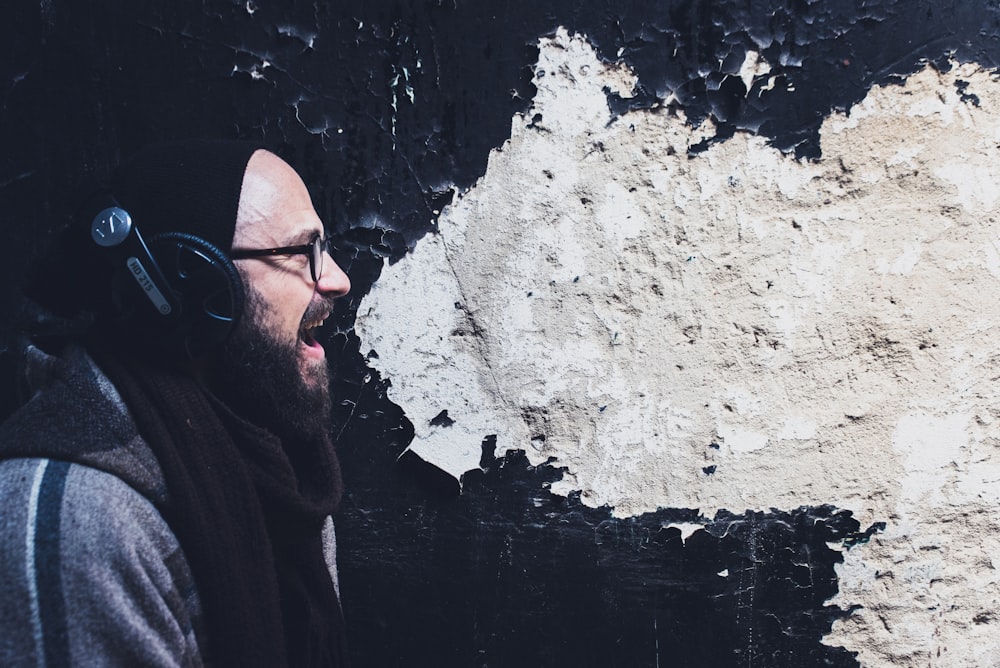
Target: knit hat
{"x": 189, "y": 186}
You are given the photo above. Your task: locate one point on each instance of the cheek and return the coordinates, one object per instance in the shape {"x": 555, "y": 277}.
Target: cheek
{"x": 285, "y": 303}
{"x": 290, "y": 311}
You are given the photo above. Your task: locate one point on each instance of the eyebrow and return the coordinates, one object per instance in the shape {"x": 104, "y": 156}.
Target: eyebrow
{"x": 306, "y": 236}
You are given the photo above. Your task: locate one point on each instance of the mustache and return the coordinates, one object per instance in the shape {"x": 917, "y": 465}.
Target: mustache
{"x": 319, "y": 308}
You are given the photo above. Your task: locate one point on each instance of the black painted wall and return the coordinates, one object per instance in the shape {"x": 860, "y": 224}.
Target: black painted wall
{"x": 386, "y": 107}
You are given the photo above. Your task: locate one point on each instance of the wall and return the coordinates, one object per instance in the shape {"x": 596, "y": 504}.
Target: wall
{"x": 733, "y": 330}
{"x": 671, "y": 337}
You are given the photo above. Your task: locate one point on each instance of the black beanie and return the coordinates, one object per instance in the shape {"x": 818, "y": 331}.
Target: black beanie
{"x": 188, "y": 186}
{"x": 191, "y": 186}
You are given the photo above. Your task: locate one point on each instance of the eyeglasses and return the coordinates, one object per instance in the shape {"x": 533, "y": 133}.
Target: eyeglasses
{"x": 314, "y": 250}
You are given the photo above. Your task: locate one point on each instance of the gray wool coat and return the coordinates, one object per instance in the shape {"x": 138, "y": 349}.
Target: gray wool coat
{"x": 90, "y": 573}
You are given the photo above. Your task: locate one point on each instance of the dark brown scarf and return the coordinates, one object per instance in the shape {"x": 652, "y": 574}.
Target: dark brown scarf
{"x": 248, "y": 517}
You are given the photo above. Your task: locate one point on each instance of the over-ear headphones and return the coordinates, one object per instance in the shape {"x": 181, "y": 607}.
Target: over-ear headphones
{"x": 176, "y": 290}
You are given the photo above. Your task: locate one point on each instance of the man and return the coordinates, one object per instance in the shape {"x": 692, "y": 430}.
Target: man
{"x": 167, "y": 493}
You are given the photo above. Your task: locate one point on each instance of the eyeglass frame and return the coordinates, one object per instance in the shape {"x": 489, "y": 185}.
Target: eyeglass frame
{"x": 323, "y": 244}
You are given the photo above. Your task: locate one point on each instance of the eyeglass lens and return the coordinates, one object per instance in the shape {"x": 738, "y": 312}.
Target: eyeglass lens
{"x": 316, "y": 259}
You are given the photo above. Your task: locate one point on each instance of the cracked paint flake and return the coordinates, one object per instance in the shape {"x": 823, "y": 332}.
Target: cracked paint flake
{"x": 812, "y": 332}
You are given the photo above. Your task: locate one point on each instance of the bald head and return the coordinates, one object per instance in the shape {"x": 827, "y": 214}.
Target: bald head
{"x": 273, "y": 198}
{"x": 276, "y": 213}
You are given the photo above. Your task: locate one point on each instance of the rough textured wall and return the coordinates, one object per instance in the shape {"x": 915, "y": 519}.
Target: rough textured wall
{"x": 733, "y": 329}
{"x": 705, "y": 307}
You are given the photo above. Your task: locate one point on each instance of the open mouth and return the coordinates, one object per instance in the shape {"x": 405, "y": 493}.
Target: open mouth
{"x": 307, "y": 333}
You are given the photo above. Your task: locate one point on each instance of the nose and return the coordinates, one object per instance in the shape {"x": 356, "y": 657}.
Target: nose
{"x": 333, "y": 282}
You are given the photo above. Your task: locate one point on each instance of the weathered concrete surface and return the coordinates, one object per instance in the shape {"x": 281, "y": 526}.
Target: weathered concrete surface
{"x": 734, "y": 330}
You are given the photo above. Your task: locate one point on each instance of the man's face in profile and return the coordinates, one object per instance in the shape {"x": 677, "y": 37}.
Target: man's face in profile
{"x": 257, "y": 370}
{"x": 273, "y": 365}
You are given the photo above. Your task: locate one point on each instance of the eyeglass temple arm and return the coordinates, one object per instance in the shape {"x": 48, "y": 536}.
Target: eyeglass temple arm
{"x": 237, "y": 254}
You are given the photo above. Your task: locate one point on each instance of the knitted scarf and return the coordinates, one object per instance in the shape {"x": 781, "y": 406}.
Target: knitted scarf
{"x": 248, "y": 518}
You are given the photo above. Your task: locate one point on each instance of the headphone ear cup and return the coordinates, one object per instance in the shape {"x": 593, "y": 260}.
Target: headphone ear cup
{"x": 207, "y": 285}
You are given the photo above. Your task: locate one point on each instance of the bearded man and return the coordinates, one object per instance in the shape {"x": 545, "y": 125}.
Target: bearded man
{"x": 167, "y": 491}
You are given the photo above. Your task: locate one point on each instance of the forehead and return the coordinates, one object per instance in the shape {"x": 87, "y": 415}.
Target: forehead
{"x": 275, "y": 208}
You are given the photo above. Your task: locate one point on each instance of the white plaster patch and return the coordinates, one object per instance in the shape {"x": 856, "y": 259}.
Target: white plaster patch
{"x": 687, "y": 529}
{"x": 740, "y": 441}
{"x": 977, "y": 189}
{"x": 434, "y": 376}
{"x": 818, "y": 332}
{"x": 754, "y": 65}
{"x": 619, "y": 218}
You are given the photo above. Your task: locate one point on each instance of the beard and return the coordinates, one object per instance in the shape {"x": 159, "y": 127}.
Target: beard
{"x": 262, "y": 378}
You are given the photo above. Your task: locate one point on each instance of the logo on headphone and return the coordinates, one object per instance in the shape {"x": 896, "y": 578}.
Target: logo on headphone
{"x": 113, "y": 227}
{"x": 141, "y": 277}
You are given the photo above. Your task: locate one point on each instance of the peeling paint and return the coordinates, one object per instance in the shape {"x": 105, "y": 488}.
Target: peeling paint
{"x": 825, "y": 325}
